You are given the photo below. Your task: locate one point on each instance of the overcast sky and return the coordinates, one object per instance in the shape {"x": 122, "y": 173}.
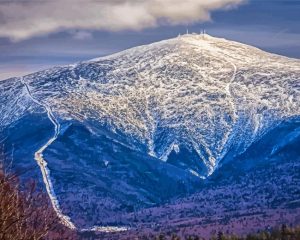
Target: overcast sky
{"x": 37, "y": 34}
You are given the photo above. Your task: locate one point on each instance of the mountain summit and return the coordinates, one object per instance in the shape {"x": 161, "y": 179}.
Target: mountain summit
{"x": 171, "y": 111}
{"x": 194, "y": 94}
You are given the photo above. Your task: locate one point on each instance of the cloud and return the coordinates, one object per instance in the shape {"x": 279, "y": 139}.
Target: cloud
{"x": 24, "y": 19}
{"x": 82, "y": 35}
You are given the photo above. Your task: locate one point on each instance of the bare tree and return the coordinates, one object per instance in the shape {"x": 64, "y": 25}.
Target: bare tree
{"x": 27, "y": 213}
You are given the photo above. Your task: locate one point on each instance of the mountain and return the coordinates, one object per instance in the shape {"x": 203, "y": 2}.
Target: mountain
{"x": 151, "y": 125}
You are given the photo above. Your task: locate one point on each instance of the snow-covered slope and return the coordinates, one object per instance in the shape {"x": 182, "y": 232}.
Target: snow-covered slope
{"x": 146, "y": 124}
{"x": 194, "y": 93}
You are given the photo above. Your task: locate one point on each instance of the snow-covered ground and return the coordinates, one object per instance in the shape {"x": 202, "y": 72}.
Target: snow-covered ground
{"x": 203, "y": 93}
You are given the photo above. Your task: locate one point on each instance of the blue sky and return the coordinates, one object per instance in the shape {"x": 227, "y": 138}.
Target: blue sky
{"x": 272, "y": 25}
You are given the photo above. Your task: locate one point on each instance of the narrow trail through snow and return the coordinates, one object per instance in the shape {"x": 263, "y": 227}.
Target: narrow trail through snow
{"x": 38, "y": 156}
{"x": 230, "y": 93}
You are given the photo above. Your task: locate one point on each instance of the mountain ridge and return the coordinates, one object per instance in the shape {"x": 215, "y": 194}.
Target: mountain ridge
{"x": 168, "y": 114}
{"x": 144, "y": 77}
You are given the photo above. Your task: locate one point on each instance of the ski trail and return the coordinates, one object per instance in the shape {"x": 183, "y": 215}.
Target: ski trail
{"x": 38, "y": 156}
{"x": 229, "y": 91}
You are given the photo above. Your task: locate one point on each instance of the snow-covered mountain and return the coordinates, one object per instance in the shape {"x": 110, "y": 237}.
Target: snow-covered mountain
{"x": 137, "y": 121}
